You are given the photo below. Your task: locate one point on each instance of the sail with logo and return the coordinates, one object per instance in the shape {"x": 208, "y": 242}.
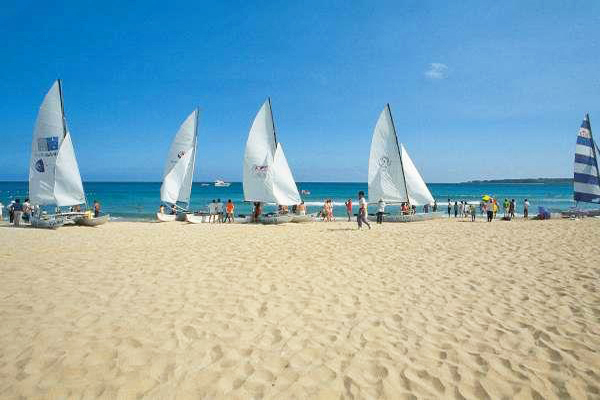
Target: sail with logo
{"x": 54, "y": 179}
{"x": 267, "y": 175}
{"x": 393, "y": 176}
{"x": 176, "y": 188}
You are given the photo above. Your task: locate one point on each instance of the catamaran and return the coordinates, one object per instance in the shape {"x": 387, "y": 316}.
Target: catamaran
{"x": 586, "y": 177}
{"x": 393, "y": 176}
{"x": 54, "y": 179}
{"x": 267, "y": 175}
{"x": 179, "y": 170}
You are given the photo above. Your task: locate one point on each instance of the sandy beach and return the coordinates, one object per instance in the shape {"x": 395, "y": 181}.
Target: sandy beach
{"x": 436, "y": 309}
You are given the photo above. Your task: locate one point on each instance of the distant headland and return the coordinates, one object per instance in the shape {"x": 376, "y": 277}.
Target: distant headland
{"x": 525, "y": 180}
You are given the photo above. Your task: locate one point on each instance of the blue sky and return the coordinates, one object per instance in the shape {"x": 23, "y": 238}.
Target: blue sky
{"x": 478, "y": 89}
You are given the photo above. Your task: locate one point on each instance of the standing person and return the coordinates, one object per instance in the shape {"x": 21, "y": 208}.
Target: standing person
{"x": 257, "y": 210}
{"x": 1, "y": 209}
{"x": 489, "y": 206}
{"x": 18, "y": 211}
{"x": 434, "y": 205}
{"x": 11, "y": 211}
{"x": 173, "y": 209}
{"x": 461, "y": 209}
{"x": 362, "y": 210}
{"x": 219, "y": 211}
{"x": 473, "y": 212}
{"x": 449, "y": 207}
{"x": 229, "y": 209}
{"x": 505, "y": 206}
{"x": 26, "y": 210}
{"x": 511, "y": 208}
{"x": 348, "y": 205}
{"x": 494, "y": 207}
{"x": 380, "y": 210}
{"x": 301, "y": 208}
{"x": 426, "y": 208}
{"x": 212, "y": 211}
{"x": 525, "y": 209}
{"x": 455, "y": 209}
{"x": 97, "y": 208}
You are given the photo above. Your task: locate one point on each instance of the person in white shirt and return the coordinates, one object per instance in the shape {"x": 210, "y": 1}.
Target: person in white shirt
{"x": 525, "y": 209}
{"x": 362, "y": 210}
{"x": 1, "y": 209}
{"x": 212, "y": 211}
{"x": 380, "y": 210}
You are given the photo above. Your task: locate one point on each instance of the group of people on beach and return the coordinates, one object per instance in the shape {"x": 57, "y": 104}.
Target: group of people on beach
{"x": 22, "y": 212}
{"x": 488, "y": 206}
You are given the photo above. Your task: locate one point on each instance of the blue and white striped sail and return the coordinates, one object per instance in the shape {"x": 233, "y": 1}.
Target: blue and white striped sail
{"x": 586, "y": 180}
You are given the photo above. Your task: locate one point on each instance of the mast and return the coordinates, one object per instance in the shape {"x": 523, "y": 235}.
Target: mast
{"x": 62, "y": 108}
{"x": 273, "y": 122}
{"x": 399, "y": 153}
{"x": 195, "y": 144}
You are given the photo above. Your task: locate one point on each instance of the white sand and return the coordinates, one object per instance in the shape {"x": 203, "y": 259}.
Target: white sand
{"x": 437, "y": 309}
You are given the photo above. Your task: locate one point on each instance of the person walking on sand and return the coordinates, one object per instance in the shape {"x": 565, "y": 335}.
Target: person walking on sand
{"x": 348, "y": 205}
{"x": 362, "y": 210}
{"x": 455, "y": 209}
{"x": 434, "y": 205}
{"x": 220, "y": 211}
{"x": 229, "y": 209}
{"x": 449, "y": 207}
{"x": 525, "y": 209}
{"x": 1, "y": 209}
{"x": 380, "y": 211}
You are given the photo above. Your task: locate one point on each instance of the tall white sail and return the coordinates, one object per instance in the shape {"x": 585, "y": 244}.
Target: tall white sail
{"x": 68, "y": 189}
{"x": 418, "y": 193}
{"x": 47, "y": 137}
{"x": 386, "y": 177}
{"x": 267, "y": 175}
{"x": 259, "y": 156}
{"x": 179, "y": 169}
{"x": 284, "y": 186}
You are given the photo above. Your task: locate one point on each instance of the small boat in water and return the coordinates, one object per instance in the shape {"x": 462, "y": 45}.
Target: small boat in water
{"x": 393, "y": 176}
{"x": 267, "y": 175}
{"x": 176, "y": 188}
{"x": 220, "y": 183}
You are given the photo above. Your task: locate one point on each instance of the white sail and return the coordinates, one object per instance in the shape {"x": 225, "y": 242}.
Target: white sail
{"x": 284, "y": 186}
{"x": 418, "y": 192}
{"x": 386, "y": 179}
{"x": 179, "y": 169}
{"x": 258, "y": 158}
{"x": 47, "y": 138}
{"x": 68, "y": 189}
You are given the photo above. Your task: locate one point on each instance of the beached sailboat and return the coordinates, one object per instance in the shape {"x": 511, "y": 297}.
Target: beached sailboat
{"x": 179, "y": 170}
{"x": 54, "y": 179}
{"x": 267, "y": 175}
{"x": 393, "y": 176}
{"x": 586, "y": 174}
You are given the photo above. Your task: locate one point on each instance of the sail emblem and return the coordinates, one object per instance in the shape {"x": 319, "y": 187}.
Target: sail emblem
{"x": 181, "y": 154}
{"x": 384, "y": 162}
{"x": 48, "y": 143}
{"x": 583, "y": 132}
{"x": 39, "y": 165}
{"x": 261, "y": 169}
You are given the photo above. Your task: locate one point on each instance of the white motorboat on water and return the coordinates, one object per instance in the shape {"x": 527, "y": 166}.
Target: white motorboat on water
{"x": 176, "y": 188}
{"x": 54, "y": 179}
{"x": 267, "y": 175}
{"x": 220, "y": 183}
{"x": 393, "y": 177}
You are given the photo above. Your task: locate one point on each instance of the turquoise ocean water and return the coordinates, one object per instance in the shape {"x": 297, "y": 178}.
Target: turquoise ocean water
{"x": 140, "y": 200}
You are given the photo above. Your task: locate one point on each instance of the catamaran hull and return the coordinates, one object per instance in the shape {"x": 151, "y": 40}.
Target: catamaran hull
{"x": 165, "y": 217}
{"x": 196, "y": 219}
{"x": 302, "y": 218}
{"x": 408, "y": 218}
{"x": 275, "y": 219}
{"x": 94, "y": 221}
{"x": 47, "y": 223}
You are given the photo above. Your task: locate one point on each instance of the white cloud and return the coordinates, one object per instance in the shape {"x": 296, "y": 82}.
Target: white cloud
{"x": 437, "y": 71}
